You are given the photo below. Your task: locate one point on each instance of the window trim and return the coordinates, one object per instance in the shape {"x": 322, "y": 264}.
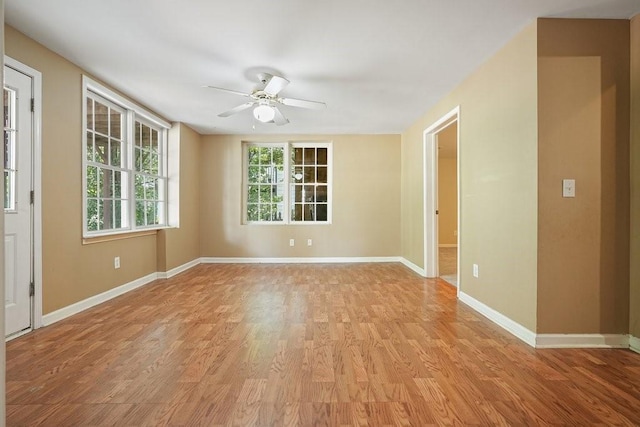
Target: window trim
{"x": 132, "y": 113}
{"x": 288, "y": 148}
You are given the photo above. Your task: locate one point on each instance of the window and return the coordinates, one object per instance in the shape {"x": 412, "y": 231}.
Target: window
{"x": 287, "y": 183}
{"x": 125, "y": 165}
{"x": 9, "y": 149}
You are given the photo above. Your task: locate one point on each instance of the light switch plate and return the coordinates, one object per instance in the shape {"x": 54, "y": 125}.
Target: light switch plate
{"x": 568, "y": 188}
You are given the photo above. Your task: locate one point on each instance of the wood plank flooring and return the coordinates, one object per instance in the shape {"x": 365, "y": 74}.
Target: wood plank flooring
{"x": 303, "y": 345}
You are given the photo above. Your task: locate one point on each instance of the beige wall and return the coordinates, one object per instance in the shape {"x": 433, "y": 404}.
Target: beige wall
{"x": 634, "y": 319}
{"x": 178, "y": 246}
{"x": 366, "y": 201}
{"x": 71, "y": 271}
{"x": 447, "y": 188}
{"x": 498, "y": 155}
{"x": 583, "y": 242}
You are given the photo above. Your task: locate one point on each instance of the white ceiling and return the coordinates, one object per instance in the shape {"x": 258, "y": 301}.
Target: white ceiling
{"x": 378, "y": 64}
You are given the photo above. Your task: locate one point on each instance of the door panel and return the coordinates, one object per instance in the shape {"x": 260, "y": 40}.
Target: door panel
{"x": 18, "y": 131}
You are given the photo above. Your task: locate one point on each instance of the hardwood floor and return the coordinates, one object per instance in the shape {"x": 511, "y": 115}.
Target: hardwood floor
{"x": 361, "y": 344}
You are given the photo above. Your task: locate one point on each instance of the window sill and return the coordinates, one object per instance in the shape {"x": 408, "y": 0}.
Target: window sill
{"x": 118, "y": 236}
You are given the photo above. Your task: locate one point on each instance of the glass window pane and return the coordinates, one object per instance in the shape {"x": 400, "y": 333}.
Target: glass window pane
{"x": 254, "y": 155}
{"x": 115, "y": 152}
{"x": 309, "y": 156}
{"x": 116, "y": 124}
{"x": 7, "y": 108}
{"x": 117, "y": 184}
{"x": 8, "y": 149}
{"x": 117, "y": 214}
{"x": 101, "y": 149}
{"x": 265, "y": 212}
{"x": 321, "y": 212}
{"x": 107, "y": 214}
{"x": 253, "y": 194}
{"x": 252, "y": 212}
{"x": 92, "y": 181}
{"x": 309, "y": 174}
{"x": 265, "y": 193}
{"x": 265, "y": 156}
{"x": 154, "y": 141}
{"x": 297, "y": 174}
{"x": 152, "y": 213}
{"x": 89, "y": 143}
{"x": 101, "y": 118}
{"x": 139, "y": 187}
{"x": 309, "y": 193}
{"x": 7, "y": 191}
{"x": 89, "y": 113}
{"x": 321, "y": 174}
{"x": 153, "y": 163}
{"x": 265, "y": 174}
{"x": 105, "y": 179}
{"x": 146, "y": 137}
{"x": 140, "y": 213}
{"x": 138, "y": 135}
{"x": 137, "y": 158}
{"x": 296, "y": 212}
{"x": 297, "y": 156}
{"x": 322, "y": 156}
{"x": 151, "y": 189}
{"x": 254, "y": 174}
{"x": 321, "y": 193}
{"x": 92, "y": 214}
{"x": 297, "y": 191}
{"x": 309, "y": 212}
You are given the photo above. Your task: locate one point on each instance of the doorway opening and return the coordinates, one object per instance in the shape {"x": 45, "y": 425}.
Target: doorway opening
{"x": 442, "y": 198}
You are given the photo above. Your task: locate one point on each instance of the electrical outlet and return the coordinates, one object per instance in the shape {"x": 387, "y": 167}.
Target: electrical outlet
{"x": 475, "y": 270}
{"x": 116, "y": 262}
{"x": 292, "y": 242}
{"x": 309, "y": 242}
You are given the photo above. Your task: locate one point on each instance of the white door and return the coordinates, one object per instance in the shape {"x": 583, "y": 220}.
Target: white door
{"x": 18, "y": 137}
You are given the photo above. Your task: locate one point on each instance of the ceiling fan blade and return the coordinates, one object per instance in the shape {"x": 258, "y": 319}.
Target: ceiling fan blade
{"x": 236, "y": 109}
{"x": 314, "y": 105}
{"x": 235, "y": 92}
{"x": 279, "y": 119}
{"x": 275, "y": 85}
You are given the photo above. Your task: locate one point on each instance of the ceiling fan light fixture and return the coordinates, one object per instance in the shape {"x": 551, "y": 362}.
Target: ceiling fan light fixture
{"x": 264, "y": 113}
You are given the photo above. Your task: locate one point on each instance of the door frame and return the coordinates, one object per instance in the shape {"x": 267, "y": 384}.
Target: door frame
{"x": 36, "y": 186}
{"x": 430, "y": 187}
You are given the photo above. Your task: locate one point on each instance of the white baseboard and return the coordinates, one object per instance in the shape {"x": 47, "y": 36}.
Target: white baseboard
{"x": 448, "y": 245}
{"x": 79, "y": 306}
{"x": 412, "y": 266}
{"x": 499, "y": 319}
{"x": 179, "y": 269}
{"x": 634, "y": 343}
{"x": 582, "y": 341}
{"x": 296, "y": 260}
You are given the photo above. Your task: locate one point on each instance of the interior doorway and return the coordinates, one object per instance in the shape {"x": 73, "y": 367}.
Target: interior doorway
{"x": 442, "y": 235}
{"x": 447, "y": 143}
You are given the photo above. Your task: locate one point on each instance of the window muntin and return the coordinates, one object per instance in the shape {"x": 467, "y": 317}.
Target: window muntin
{"x": 300, "y": 195}
{"x": 9, "y": 149}
{"x": 124, "y": 165}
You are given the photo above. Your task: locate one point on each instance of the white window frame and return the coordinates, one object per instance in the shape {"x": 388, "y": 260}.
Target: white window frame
{"x": 133, "y": 113}
{"x": 288, "y": 165}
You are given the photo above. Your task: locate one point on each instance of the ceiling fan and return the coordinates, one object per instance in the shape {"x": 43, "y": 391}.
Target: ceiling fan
{"x": 265, "y": 99}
